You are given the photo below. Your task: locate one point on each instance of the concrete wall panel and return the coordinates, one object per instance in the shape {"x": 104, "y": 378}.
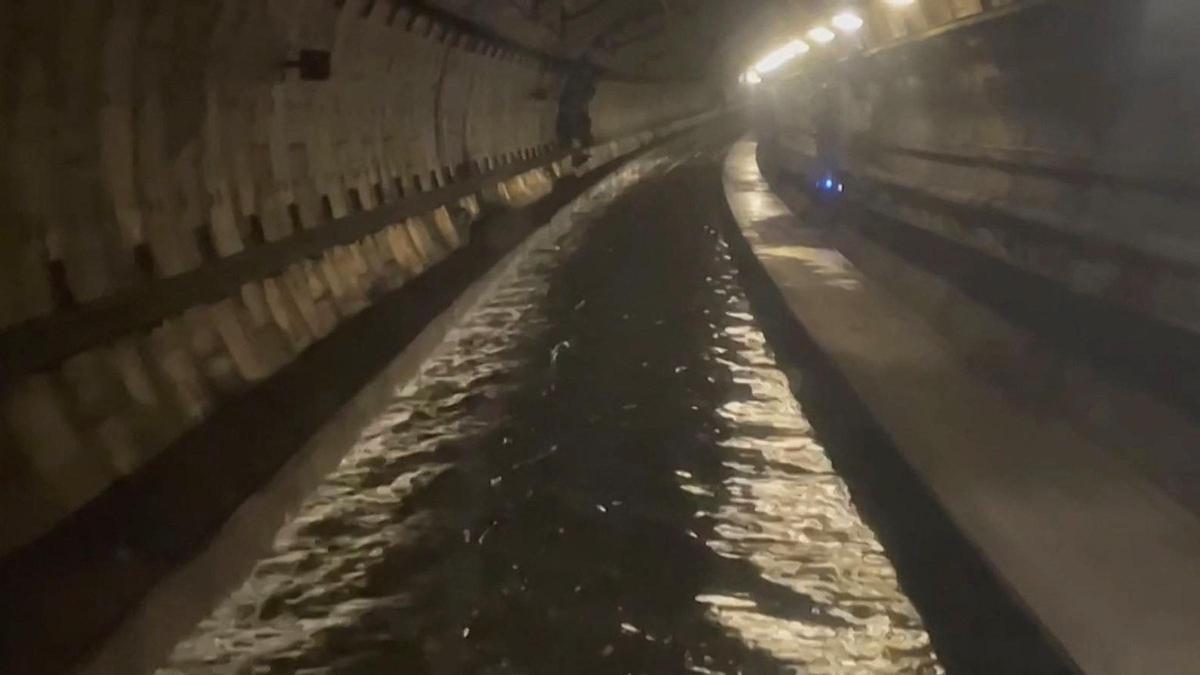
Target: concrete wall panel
{"x": 1048, "y": 151}
{"x": 149, "y": 140}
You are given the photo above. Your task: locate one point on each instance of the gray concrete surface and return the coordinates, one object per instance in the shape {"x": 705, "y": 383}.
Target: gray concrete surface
{"x": 1100, "y": 556}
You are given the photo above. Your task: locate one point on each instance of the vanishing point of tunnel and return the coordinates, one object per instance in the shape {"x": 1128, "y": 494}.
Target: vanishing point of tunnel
{"x": 630, "y": 337}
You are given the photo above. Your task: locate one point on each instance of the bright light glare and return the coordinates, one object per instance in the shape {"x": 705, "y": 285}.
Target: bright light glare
{"x": 847, "y": 22}
{"x": 900, "y": 3}
{"x": 781, "y": 56}
{"x": 821, "y": 35}
{"x": 752, "y": 77}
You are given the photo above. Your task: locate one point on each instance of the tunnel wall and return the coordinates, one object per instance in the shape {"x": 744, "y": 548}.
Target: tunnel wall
{"x": 184, "y": 213}
{"x": 623, "y": 108}
{"x": 1026, "y": 179}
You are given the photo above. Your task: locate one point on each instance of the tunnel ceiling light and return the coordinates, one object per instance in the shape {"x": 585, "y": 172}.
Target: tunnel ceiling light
{"x": 900, "y": 3}
{"x": 821, "y": 35}
{"x": 847, "y": 22}
{"x": 780, "y": 56}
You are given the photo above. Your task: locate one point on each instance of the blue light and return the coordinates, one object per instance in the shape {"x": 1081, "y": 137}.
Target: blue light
{"x": 829, "y": 183}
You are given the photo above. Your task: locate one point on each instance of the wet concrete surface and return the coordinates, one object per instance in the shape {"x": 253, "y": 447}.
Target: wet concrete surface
{"x": 974, "y": 618}
{"x": 603, "y": 471}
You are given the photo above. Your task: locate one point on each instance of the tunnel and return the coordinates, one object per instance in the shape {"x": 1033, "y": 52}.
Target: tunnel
{"x": 520, "y": 337}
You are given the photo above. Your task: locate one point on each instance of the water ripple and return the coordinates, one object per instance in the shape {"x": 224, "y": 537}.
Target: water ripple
{"x": 568, "y": 487}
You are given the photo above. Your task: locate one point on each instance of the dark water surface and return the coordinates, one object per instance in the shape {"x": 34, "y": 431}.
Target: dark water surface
{"x": 603, "y": 471}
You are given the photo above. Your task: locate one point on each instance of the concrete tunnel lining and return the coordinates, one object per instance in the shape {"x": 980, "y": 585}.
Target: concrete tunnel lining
{"x": 189, "y": 216}
{"x": 417, "y": 322}
{"x": 195, "y": 216}
{"x": 209, "y": 180}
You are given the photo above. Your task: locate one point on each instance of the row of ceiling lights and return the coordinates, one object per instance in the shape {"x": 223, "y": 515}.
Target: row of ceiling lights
{"x": 847, "y": 22}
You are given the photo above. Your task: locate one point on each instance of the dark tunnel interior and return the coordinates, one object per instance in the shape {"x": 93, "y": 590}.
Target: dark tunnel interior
{"x": 524, "y": 337}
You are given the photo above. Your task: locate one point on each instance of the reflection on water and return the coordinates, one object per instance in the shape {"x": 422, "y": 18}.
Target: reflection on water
{"x": 602, "y": 471}
{"x": 363, "y": 526}
{"x": 787, "y": 512}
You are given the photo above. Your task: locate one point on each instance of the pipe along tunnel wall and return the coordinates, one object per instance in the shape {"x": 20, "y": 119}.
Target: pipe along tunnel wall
{"x": 190, "y": 215}
{"x": 1024, "y": 178}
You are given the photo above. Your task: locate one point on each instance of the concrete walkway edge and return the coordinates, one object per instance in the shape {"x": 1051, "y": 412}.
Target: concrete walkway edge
{"x": 1105, "y": 562}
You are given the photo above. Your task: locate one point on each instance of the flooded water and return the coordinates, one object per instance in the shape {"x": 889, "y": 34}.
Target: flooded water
{"x": 602, "y": 471}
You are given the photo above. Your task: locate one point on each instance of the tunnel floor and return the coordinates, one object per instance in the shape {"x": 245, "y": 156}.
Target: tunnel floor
{"x": 605, "y": 470}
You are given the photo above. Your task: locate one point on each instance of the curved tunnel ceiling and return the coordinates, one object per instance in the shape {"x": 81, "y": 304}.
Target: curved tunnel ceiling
{"x": 659, "y": 39}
